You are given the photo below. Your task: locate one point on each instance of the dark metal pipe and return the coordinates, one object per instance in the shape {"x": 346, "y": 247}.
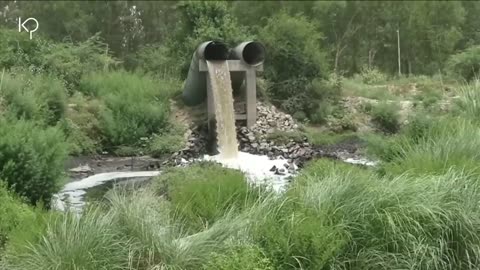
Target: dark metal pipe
{"x": 195, "y": 88}
{"x": 251, "y": 53}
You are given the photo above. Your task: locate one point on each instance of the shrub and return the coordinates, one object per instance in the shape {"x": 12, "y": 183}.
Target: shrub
{"x": 386, "y": 116}
{"x": 71, "y": 62}
{"x": 202, "y": 193}
{"x": 292, "y": 66}
{"x": 34, "y": 97}
{"x": 31, "y": 159}
{"x": 158, "y": 61}
{"x": 372, "y": 76}
{"x": 19, "y": 50}
{"x": 136, "y": 106}
{"x": 289, "y": 60}
{"x": 465, "y": 64}
{"x": 82, "y": 124}
{"x": 12, "y": 213}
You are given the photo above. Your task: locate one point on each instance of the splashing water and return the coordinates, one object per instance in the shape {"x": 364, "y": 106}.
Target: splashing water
{"x": 219, "y": 75}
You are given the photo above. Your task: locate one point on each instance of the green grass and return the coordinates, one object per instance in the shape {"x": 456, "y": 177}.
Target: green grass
{"x": 202, "y": 193}
{"x": 355, "y": 87}
{"x": 320, "y": 137}
{"x": 406, "y": 222}
{"x": 136, "y": 106}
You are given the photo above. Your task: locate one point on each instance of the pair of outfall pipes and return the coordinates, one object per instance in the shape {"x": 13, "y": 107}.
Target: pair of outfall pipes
{"x": 195, "y": 89}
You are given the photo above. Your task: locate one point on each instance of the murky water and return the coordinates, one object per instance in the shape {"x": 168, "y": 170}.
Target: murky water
{"x": 219, "y": 75}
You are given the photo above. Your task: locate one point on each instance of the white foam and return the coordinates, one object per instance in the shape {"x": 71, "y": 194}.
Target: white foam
{"x": 72, "y": 193}
{"x": 257, "y": 169}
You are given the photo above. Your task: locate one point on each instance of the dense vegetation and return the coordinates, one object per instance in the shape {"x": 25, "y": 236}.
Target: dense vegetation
{"x": 100, "y": 77}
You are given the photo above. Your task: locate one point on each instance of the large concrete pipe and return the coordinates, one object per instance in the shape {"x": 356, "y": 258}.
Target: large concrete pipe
{"x": 251, "y": 53}
{"x": 195, "y": 89}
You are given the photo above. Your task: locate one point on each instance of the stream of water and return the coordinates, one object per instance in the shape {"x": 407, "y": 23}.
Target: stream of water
{"x": 219, "y": 75}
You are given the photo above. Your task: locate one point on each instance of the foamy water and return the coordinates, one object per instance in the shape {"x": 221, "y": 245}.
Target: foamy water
{"x": 72, "y": 195}
{"x": 258, "y": 169}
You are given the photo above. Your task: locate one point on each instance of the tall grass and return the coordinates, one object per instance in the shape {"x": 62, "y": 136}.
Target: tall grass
{"x": 468, "y": 104}
{"x": 408, "y": 222}
{"x": 136, "y": 105}
{"x": 71, "y": 242}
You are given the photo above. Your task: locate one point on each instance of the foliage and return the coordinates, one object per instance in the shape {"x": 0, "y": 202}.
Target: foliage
{"x": 136, "y": 106}
{"x": 372, "y": 76}
{"x": 71, "y": 61}
{"x": 34, "y": 97}
{"x": 465, "y": 64}
{"x": 12, "y": 213}
{"x": 386, "y": 116}
{"x": 31, "y": 159}
{"x": 200, "y": 22}
{"x": 19, "y": 50}
{"x": 291, "y": 64}
{"x": 82, "y": 124}
{"x": 203, "y": 193}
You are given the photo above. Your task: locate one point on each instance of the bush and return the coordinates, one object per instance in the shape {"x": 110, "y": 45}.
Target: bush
{"x": 386, "y": 116}
{"x": 71, "y": 62}
{"x": 19, "y": 50}
{"x": 82, "y": 124}
{"x": 465, "y": 64}
{"x": 291, "y": 66}
{"x": 34, "y": 97}
{"x": 32, "y": 159}
{"x": 372, "y": 76}
{"x": 203, "y": 193}
{"x": 12, "y": 213}
{"x": 136, "y": 106}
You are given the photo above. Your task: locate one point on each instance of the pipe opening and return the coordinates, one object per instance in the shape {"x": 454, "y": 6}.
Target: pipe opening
{"x": 253, "y": 53}
{"x": 216, "y": 51}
